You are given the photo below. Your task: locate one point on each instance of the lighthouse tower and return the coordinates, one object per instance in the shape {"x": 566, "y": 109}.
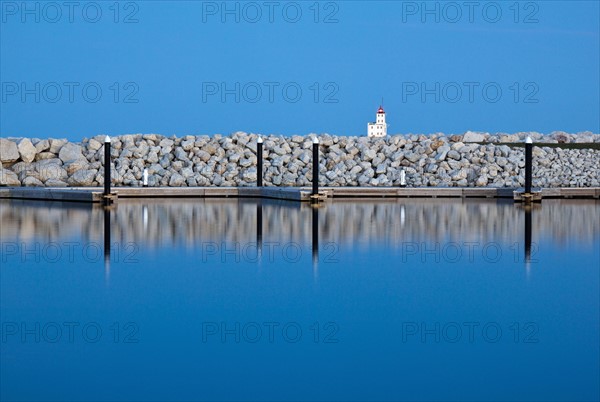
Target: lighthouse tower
{"x": 379, "y": 127}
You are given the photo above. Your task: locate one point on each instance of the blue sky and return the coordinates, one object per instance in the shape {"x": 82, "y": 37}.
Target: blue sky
{"x": 197, "y": 67}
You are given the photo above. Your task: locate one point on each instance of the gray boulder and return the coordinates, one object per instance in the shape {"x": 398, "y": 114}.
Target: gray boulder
{"x": 8, "y": 178}
{"x": 76, "y": 165}
{"x": 8, "y": 151}
{"x": 166, "y": 143}
{"x": 442, "y": 152}
{"x": 452, "y": 154}
{"x": 52, "y": 172}
{"x": 55, "y": 183}
{"x": 250, "y": 175}
{"x": 187, "y": 144}
{"x": 368, "y": 154}
{"x": 45, "y": 155}
{"x": 32, "y": 182}
{"x": 56, "y": 145}
{"x": 177, "y": 180}
{"x": 84, "y": 177}
{"x": 70, "y": 152}
{"x": 482, "y": 181}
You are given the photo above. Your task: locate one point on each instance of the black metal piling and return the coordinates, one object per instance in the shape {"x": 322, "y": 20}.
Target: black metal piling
{"x": 528, "y": 164}
{"x": 315, "y": 160}
{"x": 107, "y": 168}
{"x": 259, "y": 164}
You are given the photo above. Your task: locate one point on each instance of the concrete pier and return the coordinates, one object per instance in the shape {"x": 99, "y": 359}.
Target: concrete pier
{"x": 300, "y": 194}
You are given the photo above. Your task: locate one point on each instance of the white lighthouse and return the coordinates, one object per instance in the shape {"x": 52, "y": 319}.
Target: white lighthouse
{"x": 379, "y": 127}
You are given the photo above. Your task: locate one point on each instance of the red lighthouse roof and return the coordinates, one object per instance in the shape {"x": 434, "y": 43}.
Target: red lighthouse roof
{"x": 380, "y": 110}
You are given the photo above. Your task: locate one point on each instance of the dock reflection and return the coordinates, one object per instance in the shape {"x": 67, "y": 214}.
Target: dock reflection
{"x": 189, "y": 223}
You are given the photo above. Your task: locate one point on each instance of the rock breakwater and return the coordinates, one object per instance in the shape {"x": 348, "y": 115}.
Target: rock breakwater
{"x": 468, "y": 160}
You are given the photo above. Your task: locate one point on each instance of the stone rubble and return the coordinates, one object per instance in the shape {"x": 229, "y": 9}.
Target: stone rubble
{"x": 471, "y": 160}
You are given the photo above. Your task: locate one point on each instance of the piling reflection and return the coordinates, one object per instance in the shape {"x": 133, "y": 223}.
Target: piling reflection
{"x": 107, "y": 243}
{"x": 528, "y": 234}
{"x": 145, "y": 216}
{"x": 315, "y": 240}
{"x": 259, "y": 225}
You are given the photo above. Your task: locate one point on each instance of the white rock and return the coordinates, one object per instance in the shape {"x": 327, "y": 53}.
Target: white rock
{"x": 509, "y": 138}
{"x": 471, "y": 136}
{"x": 94, "y": 145}
{"x": 42, "y": 145}
{"x": 187, "y": 145}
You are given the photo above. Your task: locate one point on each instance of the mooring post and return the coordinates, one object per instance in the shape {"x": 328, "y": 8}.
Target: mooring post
{"x": 528, "y": 164}
{"x": 107, "y": 168}
{"x": 145, "y": 178}
{"x": 315, "y": 160}
{"x": 402, "y": 178}
{"x": 259, "y": 164}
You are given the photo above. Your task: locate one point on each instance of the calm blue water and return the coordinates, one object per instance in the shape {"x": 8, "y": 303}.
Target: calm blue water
{"x": 371, "y": 300}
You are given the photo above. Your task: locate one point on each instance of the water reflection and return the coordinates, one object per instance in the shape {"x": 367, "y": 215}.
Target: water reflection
{"x": 370, "y": 292}
{"x": 398, "y": 226}
{"x": 360, "y": 224}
